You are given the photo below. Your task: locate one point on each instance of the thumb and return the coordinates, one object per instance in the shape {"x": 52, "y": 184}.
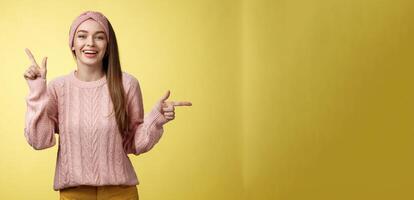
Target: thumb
{"x": 165, "y": 97}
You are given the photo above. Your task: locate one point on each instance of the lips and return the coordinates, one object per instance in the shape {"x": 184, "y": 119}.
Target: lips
{"x": 89, "y": 53}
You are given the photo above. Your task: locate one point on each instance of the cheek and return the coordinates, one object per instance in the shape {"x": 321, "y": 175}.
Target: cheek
{"x": 104, "y": 45}
{"x": 104, "y": 49}
{"x": 76, "y": 41}
{"x": 77, "y": 46}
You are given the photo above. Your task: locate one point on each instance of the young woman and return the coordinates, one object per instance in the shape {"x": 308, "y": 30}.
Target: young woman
{"x": 97, "y": 110}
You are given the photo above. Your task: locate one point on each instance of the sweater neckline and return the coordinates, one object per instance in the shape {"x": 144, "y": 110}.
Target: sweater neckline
{"x": 86, "y": 84}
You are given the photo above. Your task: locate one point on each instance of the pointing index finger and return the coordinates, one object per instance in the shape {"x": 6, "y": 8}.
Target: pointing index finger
{"x": 30, "y": 56}
{"x": 182, "y": 103}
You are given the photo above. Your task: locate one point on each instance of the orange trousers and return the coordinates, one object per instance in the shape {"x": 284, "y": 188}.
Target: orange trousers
{"x": 108, "y": 192}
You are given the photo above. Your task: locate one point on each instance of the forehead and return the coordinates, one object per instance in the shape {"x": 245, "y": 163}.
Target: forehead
{"x": 90, "y": 25}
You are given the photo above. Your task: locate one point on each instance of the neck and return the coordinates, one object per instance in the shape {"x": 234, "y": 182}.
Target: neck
{"x": 89, "y": 73}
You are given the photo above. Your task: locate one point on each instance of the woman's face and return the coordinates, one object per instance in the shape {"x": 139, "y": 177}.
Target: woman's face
{"x": 90, "y": 43}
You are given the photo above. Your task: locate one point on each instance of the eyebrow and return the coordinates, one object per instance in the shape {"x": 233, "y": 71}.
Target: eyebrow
{"x": 87, "y": 31}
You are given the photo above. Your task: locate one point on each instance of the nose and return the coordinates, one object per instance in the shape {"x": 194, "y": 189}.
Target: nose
{"x": 90, "y": 41}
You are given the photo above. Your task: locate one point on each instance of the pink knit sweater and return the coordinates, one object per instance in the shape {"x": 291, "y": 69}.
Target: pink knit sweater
{"x": 91, "y": 150}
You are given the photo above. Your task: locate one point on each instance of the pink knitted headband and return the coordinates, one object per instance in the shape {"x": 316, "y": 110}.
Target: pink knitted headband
{"x": 97, "y": 16}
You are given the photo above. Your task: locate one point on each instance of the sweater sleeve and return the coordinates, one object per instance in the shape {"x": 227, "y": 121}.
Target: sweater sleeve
{"x": 143, "y": 132}
{"x": 41, "y": 120}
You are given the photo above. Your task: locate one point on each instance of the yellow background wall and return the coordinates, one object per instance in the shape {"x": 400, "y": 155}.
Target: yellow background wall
{"x": 291, "y": 99}
{"x": 328, "y": 99}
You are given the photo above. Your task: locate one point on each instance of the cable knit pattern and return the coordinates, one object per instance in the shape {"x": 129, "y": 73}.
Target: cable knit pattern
{"x": 91, "y": 150}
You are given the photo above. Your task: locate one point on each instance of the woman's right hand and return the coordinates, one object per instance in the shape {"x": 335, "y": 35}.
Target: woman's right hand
{"x": 34, "y": 71}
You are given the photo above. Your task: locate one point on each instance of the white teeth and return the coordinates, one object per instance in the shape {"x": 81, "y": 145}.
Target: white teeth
{"x": 87, "y": 51}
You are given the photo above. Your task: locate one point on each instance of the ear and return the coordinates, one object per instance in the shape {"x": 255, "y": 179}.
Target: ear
{"x": 73, "y": 48}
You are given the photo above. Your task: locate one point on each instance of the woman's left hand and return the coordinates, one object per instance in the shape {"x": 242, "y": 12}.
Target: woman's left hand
{"x": 167, "y": 108}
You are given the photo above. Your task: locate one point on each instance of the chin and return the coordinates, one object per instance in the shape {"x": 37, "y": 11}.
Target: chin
{"x": 91, "y": 61}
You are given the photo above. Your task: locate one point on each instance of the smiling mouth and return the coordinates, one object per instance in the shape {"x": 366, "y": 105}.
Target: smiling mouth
{"x": 89, "y": 53}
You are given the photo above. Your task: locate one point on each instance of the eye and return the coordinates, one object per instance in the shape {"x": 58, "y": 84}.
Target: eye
{"x": 100, "y": 37}
{"x": 81, "y": 36}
